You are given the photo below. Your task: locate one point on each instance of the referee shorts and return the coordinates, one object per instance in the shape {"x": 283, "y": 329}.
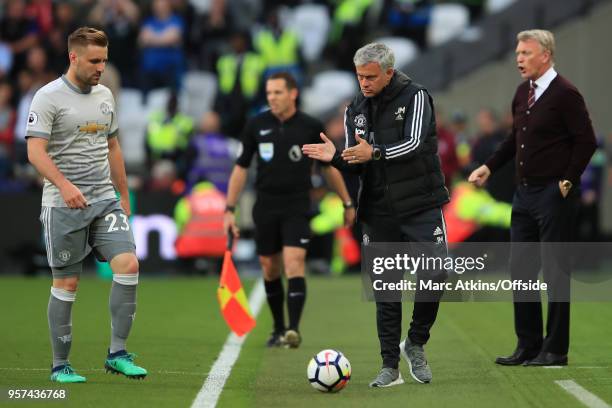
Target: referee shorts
{"x": 281, "y": 224}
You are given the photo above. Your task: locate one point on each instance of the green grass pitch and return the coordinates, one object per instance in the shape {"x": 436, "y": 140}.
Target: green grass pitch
{"x": 178, "y": 333}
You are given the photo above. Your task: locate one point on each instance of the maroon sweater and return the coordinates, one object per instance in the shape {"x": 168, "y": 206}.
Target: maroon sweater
{"x": 552, "y": 141}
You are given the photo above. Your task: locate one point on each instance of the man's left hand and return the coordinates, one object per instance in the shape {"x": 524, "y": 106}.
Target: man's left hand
{"x": 125, "y": 204}
{"x": 360, "y": 153}
{"x": 349, "y": 217}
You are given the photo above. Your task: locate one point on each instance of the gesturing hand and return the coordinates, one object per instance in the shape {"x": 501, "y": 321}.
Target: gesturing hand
{"x": 320, "y": 151}
{"x": 360, "y": 153}
{"x": 480, "y": 176}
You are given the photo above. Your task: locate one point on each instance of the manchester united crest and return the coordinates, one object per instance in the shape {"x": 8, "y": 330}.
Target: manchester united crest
{"x": 361, "y": 121}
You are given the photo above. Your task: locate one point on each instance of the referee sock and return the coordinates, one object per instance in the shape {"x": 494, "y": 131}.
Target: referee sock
{"x": 122, "y": 304}
{"x": 296, "y": 297}
{"x": 59, "y": 314}
{"x": 276, "y": 296}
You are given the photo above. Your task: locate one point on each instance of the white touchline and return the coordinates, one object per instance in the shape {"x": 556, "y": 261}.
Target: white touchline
{"x": 220, "y": 371}
{"x": 586, "y": 397}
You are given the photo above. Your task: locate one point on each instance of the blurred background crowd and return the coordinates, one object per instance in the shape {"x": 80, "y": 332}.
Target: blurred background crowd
{"x": 187, "y": 74}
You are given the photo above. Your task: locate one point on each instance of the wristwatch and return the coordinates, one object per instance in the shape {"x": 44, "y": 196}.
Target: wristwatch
{"x": 230, "y": 208}
{"x": 566, "y": 184}
{"x": 348, "y": 204}
{"x": 376, "y": 153}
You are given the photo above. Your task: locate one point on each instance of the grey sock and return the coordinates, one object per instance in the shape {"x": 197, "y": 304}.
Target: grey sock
{"x": 59, "y": 314}
{"x": 122, "y": 304}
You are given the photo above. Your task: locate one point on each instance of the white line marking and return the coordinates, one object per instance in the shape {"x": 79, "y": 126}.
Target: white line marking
{"x": 582, "y": 368}
{"x": 587, "y": 398}
{"x": 220, "y": 371}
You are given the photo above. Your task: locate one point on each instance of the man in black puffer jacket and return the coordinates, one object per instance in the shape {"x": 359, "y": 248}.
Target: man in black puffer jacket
{"x": 391, "y": 143}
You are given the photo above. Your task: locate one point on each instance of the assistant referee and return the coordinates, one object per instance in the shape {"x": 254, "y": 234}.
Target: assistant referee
{"x": 280, "y": 214}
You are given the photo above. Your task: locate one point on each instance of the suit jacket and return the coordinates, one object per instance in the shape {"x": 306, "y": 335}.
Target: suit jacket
{"x": 552, "y": 141}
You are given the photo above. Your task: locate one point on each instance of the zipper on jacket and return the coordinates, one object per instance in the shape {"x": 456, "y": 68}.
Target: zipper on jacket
{"x": 382, "y": 164}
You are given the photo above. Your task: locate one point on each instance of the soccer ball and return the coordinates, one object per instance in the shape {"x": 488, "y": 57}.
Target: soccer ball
{"x": 329, "y": 371}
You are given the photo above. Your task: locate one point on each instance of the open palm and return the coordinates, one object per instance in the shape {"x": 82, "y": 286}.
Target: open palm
{"x": 320, "y": 151}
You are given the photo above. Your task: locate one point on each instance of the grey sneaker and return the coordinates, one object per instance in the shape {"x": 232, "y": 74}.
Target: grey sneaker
{"x": 387, "y": 377}
{"x": 415, "y": 356}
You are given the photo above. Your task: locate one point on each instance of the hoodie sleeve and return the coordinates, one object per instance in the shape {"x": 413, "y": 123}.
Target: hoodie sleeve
{"x": 349, "y": 141}
{"x": 416, "y": 129}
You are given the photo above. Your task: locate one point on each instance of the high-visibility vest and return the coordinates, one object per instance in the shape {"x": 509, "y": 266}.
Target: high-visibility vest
{"x": 330, "y": 219}
{"x": 199, "y": 217}
{"x": 281, "y": 52}
{"x": 250, "y": 73}
{"x": 470, "y": 208}
{"x": 168, "y": 135}
{"x": 348, "y": 12}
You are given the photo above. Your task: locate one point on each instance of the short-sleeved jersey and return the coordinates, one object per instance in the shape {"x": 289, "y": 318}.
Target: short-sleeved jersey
{"x": 281, "y": 166}
{"x": 77, "y": 125}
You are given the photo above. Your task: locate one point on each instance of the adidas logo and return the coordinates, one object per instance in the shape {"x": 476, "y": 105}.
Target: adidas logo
{"x": 438, "y": 231}
{"x": 399, "y": 117}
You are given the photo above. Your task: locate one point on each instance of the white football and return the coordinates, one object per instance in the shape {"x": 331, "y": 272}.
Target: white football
{"x": 329, "y": 371}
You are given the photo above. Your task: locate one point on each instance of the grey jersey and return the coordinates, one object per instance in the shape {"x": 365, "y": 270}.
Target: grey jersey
{"x": 77, "y": 125}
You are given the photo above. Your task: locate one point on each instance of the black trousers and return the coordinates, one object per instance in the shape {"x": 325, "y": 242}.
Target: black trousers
{"x": 422, "y": 227}
{"x": 542, "y": 225}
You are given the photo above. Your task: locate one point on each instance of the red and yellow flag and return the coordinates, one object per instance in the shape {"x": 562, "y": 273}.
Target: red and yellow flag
{"x": 232, "y": 299}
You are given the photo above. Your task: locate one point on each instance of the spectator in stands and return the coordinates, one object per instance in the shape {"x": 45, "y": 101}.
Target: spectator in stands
{"x": 490, "y": 135}
{"x": 161, "y": 39}
{"x": 409, "y": 18}
{"x": 42, "y": 12}
{"x": 120, "y": 21}
{"x": 37, "y": 65}
{"x": 6, "y": 59}
{"x": 591, "y": 183}
{"x": 55, "y": 41}
{"x": 185, "y": 10}
{"x": 458, "y": 125}
{"x": 7, "y": 124}
{"x": 199, "y": 220}
{"x": 239, "y": 73}
{"x": 210, "y": 155}
{"x": 212, "y": 33}
{"x": 27, "y": 87}
{"x": 347, "y": 31}
{"x": 168, "y": 135}
{"x": 18, "y": 31}
{"x": 447, "y": 150}
{"x": 500, "y": 185}
{"x": 279, "y": 47}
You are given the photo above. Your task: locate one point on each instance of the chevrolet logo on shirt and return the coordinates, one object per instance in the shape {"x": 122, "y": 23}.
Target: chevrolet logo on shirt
{"x": 92, "y": 127}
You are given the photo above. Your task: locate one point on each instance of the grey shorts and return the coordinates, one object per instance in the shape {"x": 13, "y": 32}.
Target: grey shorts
{"x": 71, "y": 234}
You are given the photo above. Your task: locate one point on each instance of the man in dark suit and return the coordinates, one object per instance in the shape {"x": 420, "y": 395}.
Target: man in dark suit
{"x": 552, "y": 140}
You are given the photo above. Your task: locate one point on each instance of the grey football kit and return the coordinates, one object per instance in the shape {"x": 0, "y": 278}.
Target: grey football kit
{"x": 77, "y": 125}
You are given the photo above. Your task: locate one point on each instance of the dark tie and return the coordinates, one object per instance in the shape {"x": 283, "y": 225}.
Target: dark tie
{"x": 531, "y": 95}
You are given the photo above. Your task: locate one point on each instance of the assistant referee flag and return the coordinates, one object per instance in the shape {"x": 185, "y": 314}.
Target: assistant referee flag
{"x": 232, "y": 299}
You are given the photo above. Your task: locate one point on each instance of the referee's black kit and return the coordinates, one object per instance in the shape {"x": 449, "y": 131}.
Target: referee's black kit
{"x": 283, "y": 180}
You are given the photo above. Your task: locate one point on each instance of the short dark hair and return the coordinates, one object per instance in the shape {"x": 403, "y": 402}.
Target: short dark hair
{"x": 289, "y": 79}
{"x": 85, "y": 36}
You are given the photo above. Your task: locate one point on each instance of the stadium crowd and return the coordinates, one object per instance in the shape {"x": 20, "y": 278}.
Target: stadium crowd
{"x": 155, "y": 43}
